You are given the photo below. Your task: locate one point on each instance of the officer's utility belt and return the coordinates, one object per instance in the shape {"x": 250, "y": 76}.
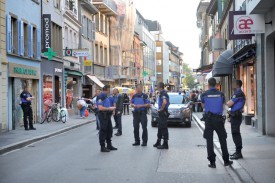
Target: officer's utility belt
{"x": 234, "y": 114}
{"x": 139, "y": 112}
{"x": 26, "y": 104}
{"x": 211, "y": 116}
{"x": 165, "y": 112}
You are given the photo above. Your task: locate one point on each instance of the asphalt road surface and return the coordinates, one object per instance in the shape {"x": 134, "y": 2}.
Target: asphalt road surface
{"x": 74, "y": 157}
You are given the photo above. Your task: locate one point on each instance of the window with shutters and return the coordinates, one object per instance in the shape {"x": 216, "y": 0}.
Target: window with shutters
{"x": 14, "y": 36}
{"x": 66, "y": 37}
{"x": 96, "y": 53}
{"x": 34, "y": 42}
{"x": 101, "y": 55}
{"x": 97, "y": 22}
{"x": 106, "y": 26}
{"x": 26, "y": 39}
{"x": 57, "y": 39}
{"x": 105, "y": 56}
{"x": 101, "y": 23}
{"x": 75, "y": 40}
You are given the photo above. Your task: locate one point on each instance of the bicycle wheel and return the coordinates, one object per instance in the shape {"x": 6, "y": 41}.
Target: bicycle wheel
{"x": 44, "y": 117}
{"x": 55, "y": 115}
{"x": 63, "y": 116}
{"x": 49, "y": 116}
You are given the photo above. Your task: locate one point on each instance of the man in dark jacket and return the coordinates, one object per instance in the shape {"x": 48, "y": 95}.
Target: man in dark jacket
{"x": 118, "y": 100}
{"x": 26, "y": 99}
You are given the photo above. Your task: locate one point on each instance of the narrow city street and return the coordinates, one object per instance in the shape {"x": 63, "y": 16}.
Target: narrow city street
{"x": 75, "y": 157}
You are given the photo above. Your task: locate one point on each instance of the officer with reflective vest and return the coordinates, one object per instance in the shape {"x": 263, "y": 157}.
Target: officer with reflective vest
{"x": 105, "y": 111}
{"x": 163, "y": 104}
{"x": 140, "y": 103}
{"x": 26, "y": 103}
{"x": 237, "y": 103}
{"x": 213, "y": 101}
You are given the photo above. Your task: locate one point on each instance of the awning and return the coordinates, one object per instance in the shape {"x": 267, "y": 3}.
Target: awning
{"x": 75, "y": 73}
{"x": 245, "y": 52}
{"x": 224, "y": 64}
{"x": 94, "y": 79}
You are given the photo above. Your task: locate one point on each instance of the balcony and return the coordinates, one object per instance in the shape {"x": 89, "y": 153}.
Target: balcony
{"x": 107, "y": 7}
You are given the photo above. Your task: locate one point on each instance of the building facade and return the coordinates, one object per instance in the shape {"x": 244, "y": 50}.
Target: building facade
{"x": 23, "y": 47}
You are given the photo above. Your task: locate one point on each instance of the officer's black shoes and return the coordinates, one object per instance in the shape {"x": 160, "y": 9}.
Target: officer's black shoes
{"x": 228, "y": 163}
{"x": 136, "y": 143}
{"x": 164, "y": 145}
{"x": 26, "y": 129}
{"x": 236, "y": 155}
{"x": 144, "y": 144}
{"x": 157, "y": 143}
{"x": 32, "y": 128}
{"x": 111, "y": 148}
{"x": 104, "y": 149}
{"x": 115, "y": 127}
{"x": 118, "y": 134}
{"x": 212, "y": 165}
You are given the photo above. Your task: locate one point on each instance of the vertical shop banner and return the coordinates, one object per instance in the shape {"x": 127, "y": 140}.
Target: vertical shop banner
{"x": 46, "y": 32}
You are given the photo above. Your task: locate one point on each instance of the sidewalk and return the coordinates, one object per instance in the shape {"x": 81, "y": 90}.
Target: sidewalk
{"x": 258, "y": 164}
{"x": 18, "y": 138}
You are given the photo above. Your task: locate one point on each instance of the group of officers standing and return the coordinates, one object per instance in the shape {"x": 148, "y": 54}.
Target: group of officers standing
{"x": 140, "y": 102}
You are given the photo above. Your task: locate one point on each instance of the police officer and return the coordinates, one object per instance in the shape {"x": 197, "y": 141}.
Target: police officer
{"x": 118, "y": 100}
{"x": 163, "y": 104}
{"x": 26, "y": 103}
{"x": 236, "y": 103}
{"x": 140, "y": 102}
{"x": 213, "y": 101}
{"x": 105, "y": 112}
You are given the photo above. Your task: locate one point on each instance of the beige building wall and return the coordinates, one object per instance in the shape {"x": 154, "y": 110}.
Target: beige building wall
{"x": 3, "y": 70}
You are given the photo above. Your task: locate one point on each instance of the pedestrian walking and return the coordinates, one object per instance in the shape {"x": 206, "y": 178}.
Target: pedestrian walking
{"x": 118, "y": 100}
{"x": 96, "y": 109}
{"x": 140, "y": 103}
{"x": 236, "y": 104}
{"x": 26, "y": 103}
{"x": 126, "y": 103}
{"x": 163, "y": 104}
{"x": 213, "y": 101}
{"x": 104, "y": 114}
{"x": 81, "y": 104}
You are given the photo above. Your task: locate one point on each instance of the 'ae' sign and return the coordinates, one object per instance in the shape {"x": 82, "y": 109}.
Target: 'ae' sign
{"x": 249, "y": 24}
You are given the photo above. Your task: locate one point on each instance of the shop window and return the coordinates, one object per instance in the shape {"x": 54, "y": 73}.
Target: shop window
{"x": 47, "y": 91}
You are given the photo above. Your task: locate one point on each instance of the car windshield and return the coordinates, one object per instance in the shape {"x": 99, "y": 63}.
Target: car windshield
{"x": 178, "y": 99}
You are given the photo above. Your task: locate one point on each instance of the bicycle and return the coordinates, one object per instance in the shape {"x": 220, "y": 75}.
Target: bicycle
{"x": 59, "y": 114}
{"x": 48, "y": 114}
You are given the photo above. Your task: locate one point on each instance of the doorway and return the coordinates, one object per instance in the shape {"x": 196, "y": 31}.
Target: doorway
{"x": 57, "y": 89}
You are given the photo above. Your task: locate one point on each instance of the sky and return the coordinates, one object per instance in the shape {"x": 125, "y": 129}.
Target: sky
{"x": 178, "y": 23}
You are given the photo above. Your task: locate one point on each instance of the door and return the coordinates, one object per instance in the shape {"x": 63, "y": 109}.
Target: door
{"x": 57, "y": 88}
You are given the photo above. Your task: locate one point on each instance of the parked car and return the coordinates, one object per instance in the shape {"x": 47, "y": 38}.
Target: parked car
{"x": 179, "y": 109}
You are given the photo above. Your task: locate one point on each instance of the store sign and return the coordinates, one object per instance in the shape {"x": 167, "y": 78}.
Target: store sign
{"x": 57, "y": 70}
{"x": 46, "y": 32}
{"x": 88, "y": 61}
{"x": 23, "y": 71}
{"x": 80, "y": 53}
{"x": 249, "y": 24}
{"x": 232, "y": 34}
{"x": 251, "y": 5}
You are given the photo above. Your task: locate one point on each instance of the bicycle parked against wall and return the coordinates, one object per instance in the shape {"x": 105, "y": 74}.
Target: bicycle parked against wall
{"x": 54, "y": 112}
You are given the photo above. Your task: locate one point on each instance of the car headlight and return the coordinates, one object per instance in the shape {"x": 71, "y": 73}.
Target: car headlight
{"x": 186, "y": 112}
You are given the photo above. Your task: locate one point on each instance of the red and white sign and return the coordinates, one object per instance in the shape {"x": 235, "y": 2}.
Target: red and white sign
{"x": 249, "y": 24}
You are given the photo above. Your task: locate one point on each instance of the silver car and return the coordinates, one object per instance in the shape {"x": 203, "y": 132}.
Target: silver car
{"x": 179, "y": 109}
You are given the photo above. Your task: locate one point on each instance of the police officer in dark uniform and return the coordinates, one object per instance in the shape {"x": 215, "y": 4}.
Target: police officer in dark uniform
{"x": 213, "y": 101}
{"x": 140, "y": 102}
{"x": 26, "y": 103}
{"x": 105, "y": 112}
{"x": 236, "y": 103}
{"x": 163, "y": 104}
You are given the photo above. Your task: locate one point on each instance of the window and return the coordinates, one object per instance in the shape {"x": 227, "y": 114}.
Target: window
{"x": 66, "y": 37}
{"x": 14, "y": 36}
{"x": 101, "y": 55}
{"x": 75, "y": 41}
{"x": 96, "y": 53}
{"x": 158, "y": 49}
{"x": 159, "y": 62}
{"x": 71, "y": 39}
{"x": 97, "y": 22}
{"x": 57, "y": 39}
{"x": 106, "y": 26}
{"x": 101, "y": 23}
{"x": 34, "y": 46}
{"x": 26, "y": 38}
{"x": 105, "y": 56}
{"x": 57, "y": 4}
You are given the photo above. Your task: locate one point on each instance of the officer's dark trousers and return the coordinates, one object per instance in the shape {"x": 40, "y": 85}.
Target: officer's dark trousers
{"x": 117, "y": 118}
{"x": 162, "y": 126}
{"x": 27, "y": 112}
{"x": 140, "y": 117}
{"x": 217, "y": 125}
{"x": 106, "y": 128}
{"x": 236, "y": 134}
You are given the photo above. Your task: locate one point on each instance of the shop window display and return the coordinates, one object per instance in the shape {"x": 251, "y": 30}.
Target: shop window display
{"x": 47, "y": 91}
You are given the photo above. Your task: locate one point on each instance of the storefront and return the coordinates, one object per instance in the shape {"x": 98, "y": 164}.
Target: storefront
{"x": 73, "y": 87}
{"x": 22, "y": 77}
{"x": 52, "y": 82}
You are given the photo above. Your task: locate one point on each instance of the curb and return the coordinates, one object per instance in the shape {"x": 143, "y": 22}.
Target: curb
{"x": 18, "y": 145}
{"x": 236, "y": 167}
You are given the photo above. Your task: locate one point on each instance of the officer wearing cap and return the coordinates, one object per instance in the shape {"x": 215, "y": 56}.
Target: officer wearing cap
{"x": 236, "y": 103}
{"x": 26, "y": 103}
{"x": 105, "y": 112}
{"x": 140, "y": 102}
{"x": 163, "y": 104}
{"x": 213, "y": 101}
